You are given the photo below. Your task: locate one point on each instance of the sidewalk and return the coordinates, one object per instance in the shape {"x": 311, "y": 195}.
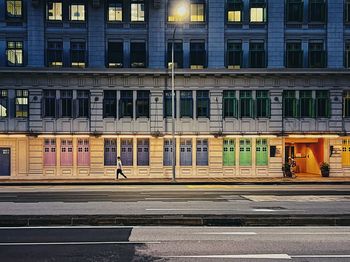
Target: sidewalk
{"x": 179, "y": 181}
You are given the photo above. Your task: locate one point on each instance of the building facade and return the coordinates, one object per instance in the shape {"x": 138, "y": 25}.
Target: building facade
{"x": 82, "y": 82}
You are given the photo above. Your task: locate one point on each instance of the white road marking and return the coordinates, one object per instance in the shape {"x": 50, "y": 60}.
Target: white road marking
{"x": 321, "y": 256}
{"x": 225, "y": 233}
{"x": 248, "y": 256}
{"x": 76, "y": 243}
{"x": 183, "y": 209}
{"x": 264, "y": 210}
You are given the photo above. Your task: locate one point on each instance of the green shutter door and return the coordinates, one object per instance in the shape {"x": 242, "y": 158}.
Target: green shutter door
{"x": 261, "y": 152}
{"x": 245, "y": 152}
{"x": 229, "y": 152}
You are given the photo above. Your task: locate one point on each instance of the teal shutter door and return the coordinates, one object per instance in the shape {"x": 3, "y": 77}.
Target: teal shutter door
{"x": 229, "y": 152}
{"x": 245, "y": 152}
{"x": 261, "y": 152}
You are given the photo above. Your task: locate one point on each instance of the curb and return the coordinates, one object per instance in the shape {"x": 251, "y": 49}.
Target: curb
{"x": 175, "y": 220}
{"x": 129, "y": 183}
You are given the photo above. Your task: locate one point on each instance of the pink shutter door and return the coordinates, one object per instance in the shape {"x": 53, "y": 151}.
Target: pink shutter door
{"x": 66, "y": 153}
{"x": 49, "y": 152}
{"x": 83, "y": 152}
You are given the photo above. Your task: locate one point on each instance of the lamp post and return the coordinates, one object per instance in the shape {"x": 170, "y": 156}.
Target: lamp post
{"x": 179, "y": 12}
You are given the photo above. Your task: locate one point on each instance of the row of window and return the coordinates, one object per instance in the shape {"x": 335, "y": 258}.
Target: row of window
{"x": 143, "y": 149}
{"x": 134, "y": 11}
{"x": 197, "y": 57}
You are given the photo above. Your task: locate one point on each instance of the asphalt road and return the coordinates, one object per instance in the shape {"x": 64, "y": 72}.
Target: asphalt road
{"x": 148, "y": 200}
{"x": 306, "y": 244}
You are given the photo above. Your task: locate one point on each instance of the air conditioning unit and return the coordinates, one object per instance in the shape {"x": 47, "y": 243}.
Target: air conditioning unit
{"x": 156, "y": 3}
{"x": 36, "y": 3}
{"x": 96, "y": 3}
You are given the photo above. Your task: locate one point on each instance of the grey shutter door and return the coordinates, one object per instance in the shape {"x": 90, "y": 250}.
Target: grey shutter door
{"x": 110, "y": 153}
{"x": 5, "y": 161}
{"x": 143, "y": 152}
{"x": 168, "y": 152}
{"x": 186, "y": 152}
{"x": 126, "y": 152}
{"x": 202, "y": 152}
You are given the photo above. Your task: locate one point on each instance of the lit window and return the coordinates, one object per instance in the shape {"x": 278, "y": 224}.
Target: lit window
{"x": 234, "y": 11}
{"x": 197, "y": 12}
{"x": 137, "y": 11}
{"x": 54, "y": 11}
{"x": 21, "y": 103}
{"x": 15, "y": 53}
{"x": 115, "y": 11}
{"x": 77, "y": 12}
{"x": 3, "y": 103}
{"x": 258, "y": 11}
{"x": 13, "y": 9}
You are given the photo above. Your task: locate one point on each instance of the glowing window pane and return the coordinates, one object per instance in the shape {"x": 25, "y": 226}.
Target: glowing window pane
{"x": 257, "y": 14}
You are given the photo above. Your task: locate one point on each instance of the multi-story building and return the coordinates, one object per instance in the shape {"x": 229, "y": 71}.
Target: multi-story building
{"x": 82, "y": 82}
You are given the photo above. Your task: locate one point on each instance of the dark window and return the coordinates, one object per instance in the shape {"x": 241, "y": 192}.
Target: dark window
{"x": 257, "y": 11}
{"x": 83, "y": 99}
{"x": 14, "y": 9}
{"x": 143, "y": 152}
{"x": 3, "y": 103}
{"x": 49, "y": 106}
{"x": 142, "y": 104}
{"x": 110, "y": 153}
{"x": 138, "y": 54}
{"x": 294, "y": 56}
{"x": 234, "y": 55}
{"x": 203, "y": 104}
{"x": 317, "y": 55}
{"x": 257, "y": 55}
{"x": 234, "y": 11}
{"x": 306, "y": 104}
{"x": 126, "y": 152}
{"x": 197, "y": 55}
{"x": 137, "y": 11}
{"x": 126, "y": 104}
{"x": 22, "y": 103}
{"x": 246, "y": 103}
{"x": 109, "y": 104}
{"x": 78, "y": 54}
{"x": 290, "y": 104}
{"x": 294, "y": 11}
{"x": 347, "y": 55}
{"x": 347, "y": 11}
{"x": 346, "y": 103}
{"x": 15, "y": 53}
{"x": 230, "y": 104}
{"x": 66, "y": 103}
{"x": 262, "y": 104}
{"x": 168, "y": 104}
{"x": 55, "y": 54}
{"x": 178, "y": 54}
{"x": 197, "y": 11}
{"x": 77, "y": 12}
{"x": 317, "y": 11}
{"x": 115, "y": 54}
{"x": 54, "y": 11}
{"x": 115, "y": 11}
{"x": 323, "y": 104}
{"x": 186, "y": 104}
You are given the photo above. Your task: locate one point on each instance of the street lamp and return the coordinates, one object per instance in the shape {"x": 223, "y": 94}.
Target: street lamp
{"x": 180, "y": 12}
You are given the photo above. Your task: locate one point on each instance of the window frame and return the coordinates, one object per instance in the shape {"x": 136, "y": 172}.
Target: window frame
{"x": 234, "y": 6}
{"x": 346, "y": 104}
{"x": 115, "y": 4}
{"x": 258, "y": 4}
{"x": 143, "y": 104}
{"x": 198, "y": 55}
{"x": 230, "y": 101}
{"x": 178, "y": 54}
{"x": 56, "y": 16}
{"x": 290, "y": 100}
{"x": 246, "y": 104}
{"x": 54, "y": 49}
{"x": 109, "y": 104}
{"x": 292, "y": 50}
{"x": 126, "y": 104}
{"x": 186, "y": 103}
{"x": 234, "y": 50}
{"x": 294, "y": 18}
{"x": 14, "y": 17}
{"x": 140, "y": 18}
{"x": 317, "y": 52}
{"x": 322, "y": 6}
{"x": 195, "y": 16}
{"x": 4, "y": 102}
{"x": 66, "y": 103}
{"x": 18, "y": 53}
{"x": 263, "y": 97}
{"x": 77, "y": 5}
{"x": 167, "y": 104}
{"x": 83, "y": 104}
{"x": 78, "y": 54}
{"x": 322, "y": 101}
{"x": 307, "y": 104}
{"x": 22, "y": 109}
{"x": 115, "y": 58}
{"x": 255, "y": 51}
{"x": 203, "y": 104}
{"x": 49, "y": 102}
{"x": 137, "y": 54}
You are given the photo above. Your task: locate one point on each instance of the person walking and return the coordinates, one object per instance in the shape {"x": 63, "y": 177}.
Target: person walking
{"x": 119, "y": 168}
